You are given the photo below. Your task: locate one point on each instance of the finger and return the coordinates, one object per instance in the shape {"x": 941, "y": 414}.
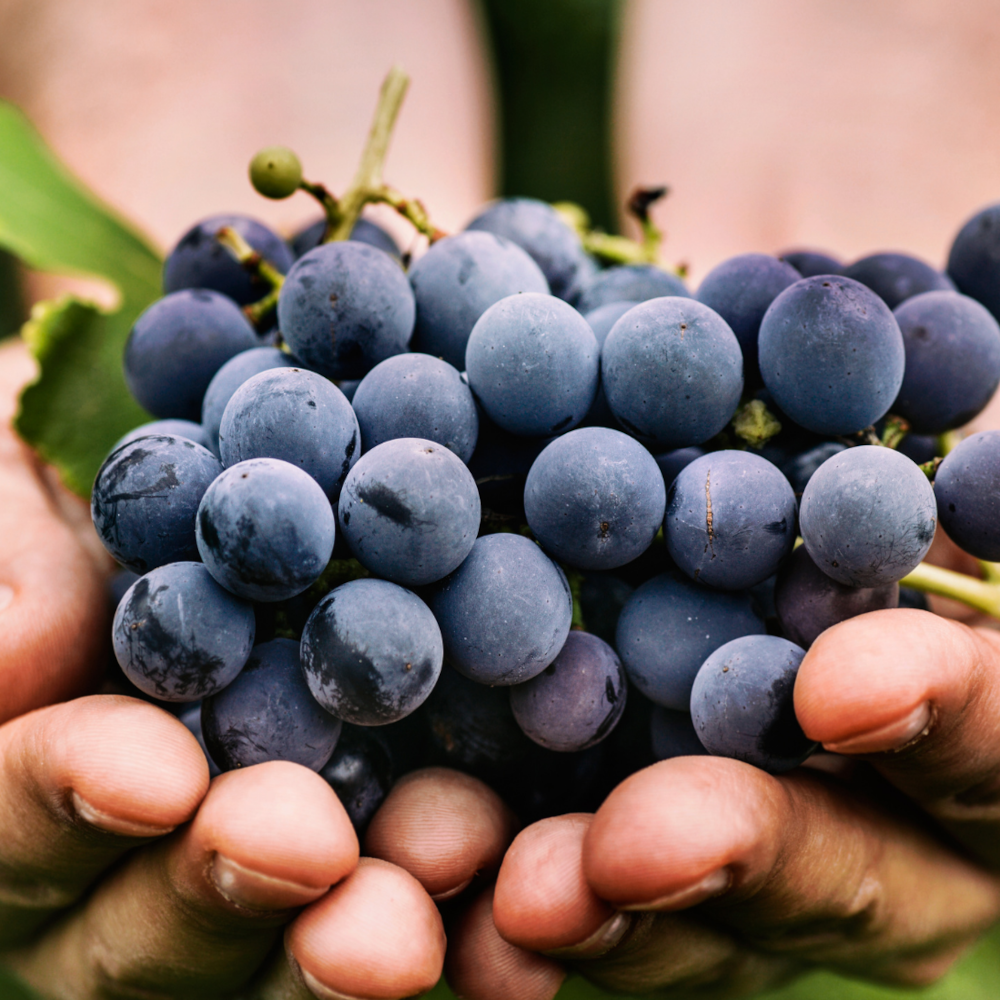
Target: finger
{"x": 196, "y": 914}
{"x": 481, "y": 965}
{"x": 795, "y": 865}
{"x": 80, "y": 784}
{"x": 917, "y": 695}
{"x": 443, "y": 827}
{"x": 52, "y": 602}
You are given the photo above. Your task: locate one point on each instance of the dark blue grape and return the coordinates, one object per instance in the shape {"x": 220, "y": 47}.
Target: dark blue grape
{"x": 364, "y": 231}
{"x": 267, "y": 713}
{"x": 896, "y": 277}
{"x": 229, "y": 378}
{"x": 740, "y": 290}
{"x": 297, "y": 416}
{"x": 808, "y": 602}
{"x": 910, "y": 598}
{"x": 602, "y": 597}
{"x": 672, "y": 372}
{"x": 601, "y": 320}
{"x": 200, "y": 261}
{"x": 537, "y": 228}
{"x": 179, "y": 636}
{"x": 505, "y": 612}
{"x": 533, "y": 363}
{"x": 360, "y": 772}
{"x": 629, "y": 283}
{"x": 974, "y": 259}
{"x": 371, "y": 652}
{"x": 415, "y": 395}
{"x": 500, "y": 466}
{"x": 169, "y": 428}
{"x": 952, "y": 361}
{"x": 344, "y": 307}
{"x": 145, "y": 498}
{"x": 594, "y": 498}
{"x": 967, "y": 488}
{"x": 919, "y": 448}
{"x": 799, "y": 470}
{"x": 577, "y": 700}
{"x": 349, "y": 386}
{"x": 810, "y": 263}
{"x": 457, "y": 280}
{"x": 730, "y": 519}
{"x": 265, "y": 530}
{"x": 671, "y": 462}
{"x": 672, "y": 734}
{"x": 410, "y": 511}
{"x": 176, "y": 347}
{"x": 741, "y": 703}
{"x": 867, "y": 516}
{"x": 669, "y": 626}
{"x": 831, "y": 354}
{"x": 191, "y": 718}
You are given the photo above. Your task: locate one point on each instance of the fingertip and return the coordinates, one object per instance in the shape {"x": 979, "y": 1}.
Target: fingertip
{"x": 481, "y": 965}
{"x": 443, "y": 827}
{"x": 542, "y": 899}
{"x": 375, "y": 935}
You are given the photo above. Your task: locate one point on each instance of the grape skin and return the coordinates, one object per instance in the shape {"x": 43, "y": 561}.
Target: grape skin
{"x": 364, "y": 231}
{"x": 360, "y": 772}
{"x": 867, "y": 516}
{"x": 457, "y": 280}
{"x": 177, "y": 345}
{"x": 297, "y": 416}
{"x": 371, "y": 652}
{"x": 410, "y": 511}
{"x": 975, "y": 256}
{"x": 672, "y": 734}
{"x": 179, "y": 636}
{"x": 897, "y": 277}
{"x": 171, "y": 428}
{"x": 265, "y": 530}
{"x": 630, "y": 282}
{"x": 967, "y": 489}
{"x": 601, "y": 320}
{"x": 810, "y": 263}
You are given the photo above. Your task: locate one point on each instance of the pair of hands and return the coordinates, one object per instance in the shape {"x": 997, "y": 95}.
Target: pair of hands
{"x": 123, "y": 873}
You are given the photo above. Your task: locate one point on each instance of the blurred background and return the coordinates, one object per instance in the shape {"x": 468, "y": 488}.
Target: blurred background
{"x": 845, "y": 125}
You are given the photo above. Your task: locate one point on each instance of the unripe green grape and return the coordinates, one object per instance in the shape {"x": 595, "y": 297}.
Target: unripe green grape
{"x": 276, "y": 172}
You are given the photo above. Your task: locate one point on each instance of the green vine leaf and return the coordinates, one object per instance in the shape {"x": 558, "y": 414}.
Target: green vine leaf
{"x": 79, "y": 405}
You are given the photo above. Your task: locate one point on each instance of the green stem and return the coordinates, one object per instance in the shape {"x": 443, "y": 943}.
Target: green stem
{"x": 929, "y": 469}
{"x": 410, "y": 209}
{"x": 249, "y": 258}
{"x": 327, "y": 201}
{"x": 896, "y": 428}
{"x": 979, "y": 594}
{"x": 256, "y": 311}
{"x": 368, "y": 179}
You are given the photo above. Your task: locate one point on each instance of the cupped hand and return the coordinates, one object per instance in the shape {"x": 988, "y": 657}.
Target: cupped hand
{"x": 705, "y": 874}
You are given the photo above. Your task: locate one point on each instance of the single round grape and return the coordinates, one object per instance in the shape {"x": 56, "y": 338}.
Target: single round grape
{"x": 179, "y": 636}
{"x": 740, "y": 290}
{"x": 145, "y": 499}
{"x": 919, "y": 448}
{"x": 265, "y": 530}
{"x": 730, "y": 519}
{"x": 364, "y": 231}
{"x": 799, "y": 469}
{"x": 867, "y": 516}
{"x": 896, "y": 277}
{"x": 533, "y": 363}
{"x": 831, "y": 354}
{"x": 176, "y": 347}
{"x": 360, "y": 772}
{"x": 371, "y": 652}
{"x": 630, "y": 282}
{"x": 741, "y": 703}
{"x": 169, "y": 428}
{"x": 807, "y": 602}
{"x": 268, "y": 713}
{"x": 297, "y": 416}
{"x": 537, "y": 228}
{"x": 275, "y": 172}
{"x": 670, "y": 625}
{"x": 505, "y": 612}
{"x": 672, "y": 734}
{"x": 229, "y": 378}
{"x": 344, "y": 307}
{"x": 199, "y": 260}
{"x": 810, "y": 263}
{"x": 415, "y": 395}
{"x": 457, "y": 280}
{"x": 672, "y": 372}
{"x": 577, "y": 700}
{"x": 952, "y": 361}
{"x": 974, "y": 258}
{"x": 967, "y": 488}
{"x": 594, "y": 498}
{"x": 410, "y": 511}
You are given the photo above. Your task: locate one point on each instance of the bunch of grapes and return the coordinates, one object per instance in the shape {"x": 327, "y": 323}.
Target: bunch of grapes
{"x": 516, "y": 509}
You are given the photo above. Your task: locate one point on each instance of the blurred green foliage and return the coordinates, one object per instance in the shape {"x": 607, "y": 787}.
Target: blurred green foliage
{"x": 554, "y": 62}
